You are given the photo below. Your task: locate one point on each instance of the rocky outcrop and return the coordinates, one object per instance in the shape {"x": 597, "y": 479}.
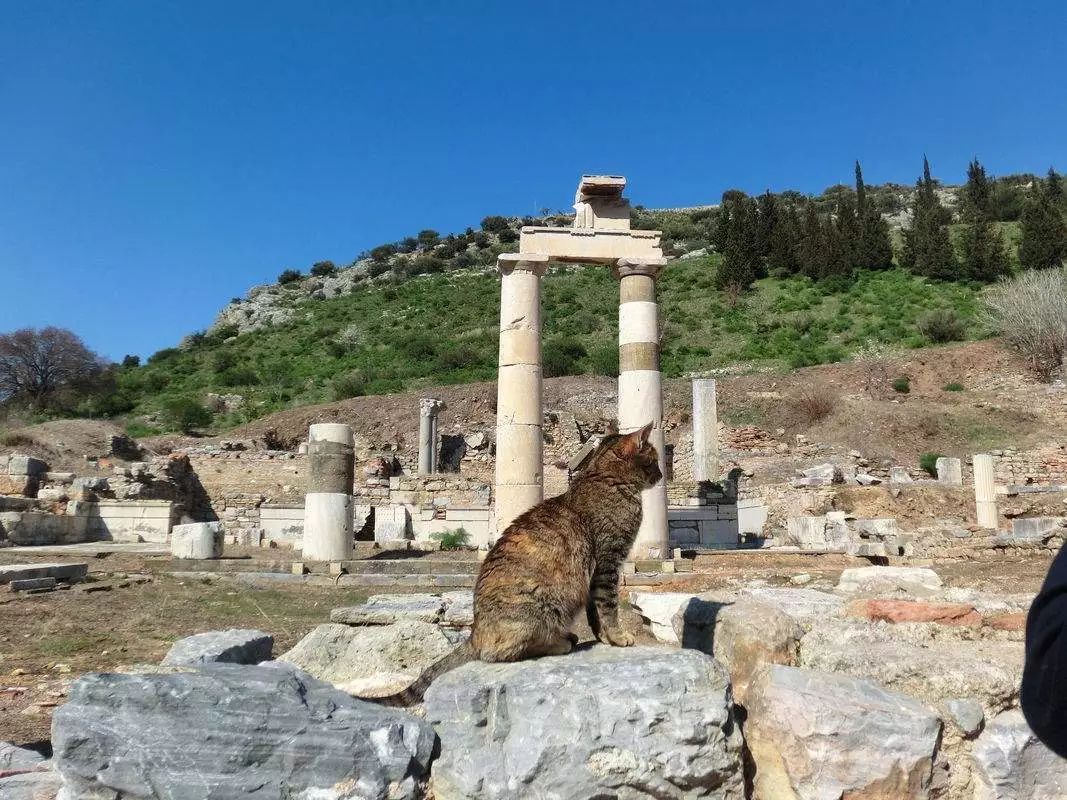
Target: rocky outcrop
{"x": 349, "y": 656}
{"x": 226, "y": 732}
{"x": 749, "y": 634}
{"x": 624, "y": 723}
{"x": 1011, "y": 764}
{"x": 453, "y": 609}
{"x": 233, "y": 647}
{"x": 906, "y": 581}
{"x": 823, "y": 737}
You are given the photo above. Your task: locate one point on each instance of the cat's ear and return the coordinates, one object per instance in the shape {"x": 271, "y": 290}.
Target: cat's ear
{"x": 645, "y": 433}
{"x": 631, "y": 443}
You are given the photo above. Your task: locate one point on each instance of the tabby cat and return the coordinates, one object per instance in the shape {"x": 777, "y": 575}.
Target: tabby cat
{"x": 556, "y": 559}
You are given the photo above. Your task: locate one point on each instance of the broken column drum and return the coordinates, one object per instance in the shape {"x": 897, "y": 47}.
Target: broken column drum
{"x": 428, "y": 409}
{"x": 328, "y": 505}
{"x": 640, "y": 389}
{"x": 705, "y": 431}
{"x": 519, "y": 470}
{"x": 985, "y": 492}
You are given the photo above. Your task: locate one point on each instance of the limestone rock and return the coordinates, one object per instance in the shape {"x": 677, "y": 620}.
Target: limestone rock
{"x": 228, "y": 731}
{"x": 40, "y": 785}
{"x": 657, "y": 609}
{"x": 911, "y": 581}
{"x": 18, "y": 759}
{"x": 343, "y": 653}
{"x": 823, "y": 737}
{"x": 749, "y": 634}
{"x": 233, "y": 647}
{"x": 803, "y": 605}
{"x": 623, "y": 723}
{"x": 454, "y": 609}
{"x": 1011, "y": 764}
{"x": 895, "y": 611}
{"x": 967, "y": 714}
{"x": 199, "y": 540}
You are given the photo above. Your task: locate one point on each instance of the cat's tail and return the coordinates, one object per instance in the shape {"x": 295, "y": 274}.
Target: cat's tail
{"x": 414, "y": 693}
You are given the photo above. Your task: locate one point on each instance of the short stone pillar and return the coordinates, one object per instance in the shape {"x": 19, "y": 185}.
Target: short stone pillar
{"x": 949, "y": 471}
{"x": 197, "y": 540}
{"x": 985, "y": 492}
{"x": 328, "y": 504}
{"x": 519, "y": 479}
{"x": 705, "y": 431}
{"x": 428, "y": 410}
{"x": 640, "y": 389}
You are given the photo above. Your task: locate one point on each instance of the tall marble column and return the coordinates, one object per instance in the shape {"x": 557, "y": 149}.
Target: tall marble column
{"x": 705, "y": 431}
{"x": 328, "y": 504}
{"x": 985, "y": 492}
{"x": 640, "y": 389}
{"x": 428, "y": 410}
{"x": 519, "y": 480}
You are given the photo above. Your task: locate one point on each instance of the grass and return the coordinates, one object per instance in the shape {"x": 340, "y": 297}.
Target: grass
{"x": 442, "y": 328}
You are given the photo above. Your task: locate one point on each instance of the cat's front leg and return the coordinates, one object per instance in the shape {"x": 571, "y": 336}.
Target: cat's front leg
{"x": 604, "y": 607}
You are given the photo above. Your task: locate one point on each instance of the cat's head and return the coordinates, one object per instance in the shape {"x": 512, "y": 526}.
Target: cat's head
{"x": 631, "y": 457}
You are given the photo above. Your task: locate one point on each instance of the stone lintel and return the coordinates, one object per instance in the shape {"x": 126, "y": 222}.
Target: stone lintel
{"x": 523, "y": 262}
{"x": 590, "y": 245}
{"x": 602, "y": 185}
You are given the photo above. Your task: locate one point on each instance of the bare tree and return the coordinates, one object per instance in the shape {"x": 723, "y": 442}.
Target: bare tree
{"x": 1030, "y": 312}
{"x": 37, "y": 364}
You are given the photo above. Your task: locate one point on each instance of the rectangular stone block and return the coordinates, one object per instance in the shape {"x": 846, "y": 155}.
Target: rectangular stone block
{"x": 63, "y": 572}
{"x": 32, "y": 584}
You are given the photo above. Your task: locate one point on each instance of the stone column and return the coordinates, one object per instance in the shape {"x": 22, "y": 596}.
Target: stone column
{"x": 519, "y": 482}
{"x": 640, "y": 389}
{"x": 705, "y": 431}
{"x": 985, "y": 492}
{"x": 328, "y": 505}
{"x": 428, "y": 410}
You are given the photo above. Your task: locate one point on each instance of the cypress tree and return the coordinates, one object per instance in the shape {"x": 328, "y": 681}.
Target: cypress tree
{"x": 927, "y": 247}
{"x": 874, "y": 248}
{"x": 811, "y": 244}
{"x": 1044, "y": 233}
{"x": 984, "y": 257}
{"x": 767, "y": 223}
{"x": 740, "y": 259}
{"x": 841, "y": 237}
{"x": 1054, "y": 187}
{"x": 782, "y": 251}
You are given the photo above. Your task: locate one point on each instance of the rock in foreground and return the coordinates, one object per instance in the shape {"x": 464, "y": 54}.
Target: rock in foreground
{"x": 226, "y": 731}
{"x": 1011, "y": 764}
{"x": 230, "y": 647}
{"x": 815, "y": 736}
{"x": 623, "y": 723}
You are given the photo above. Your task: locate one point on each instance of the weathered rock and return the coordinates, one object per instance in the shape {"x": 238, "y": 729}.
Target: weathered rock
{"x": 803, "y": 605}
{"x": 232, "y": 647}
{"x": 25, "y": 465}
{"x": 694, "y": 622}
{"x": 823, "y": 737}
{"x": 199, "y": 540}
{"x": 1011, "y": 764}
{"x": 41, "y": 785}
{"x": 341, "y": 654}
{"x": 817, "y": 533}
{"x": 454, "y": 609}
{"x": 749, "y": 634}
{"x": 18, "y": 759}
{"x": 657, "y": 609}
{"x": 1007, "y": 621}
{"x": 967, "y": 714}
{"x": 895, "y": 611}
{"x": 61, "y": 572}
{"x": 229, "y": 731}
{"x": 564, "y": 728}
{"x": 912, "y": 581}
{"x": 907, "y": 659}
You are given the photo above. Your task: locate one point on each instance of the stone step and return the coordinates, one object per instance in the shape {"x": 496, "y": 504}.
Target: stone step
{"x": 61, "y": 572}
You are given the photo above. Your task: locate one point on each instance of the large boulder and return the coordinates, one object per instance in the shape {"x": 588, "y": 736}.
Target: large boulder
{"x": 907, "y": 581}
{"x": 814, "y": 736}
{"x": 38, "y": 785}
{"x": 18, "y": 759}
{"x": 454, "y": 609}
{"x": 749, "y": 634}
{"x": 658, "y": 610}
{"x": 1011, "y": 764}
{"x": 226, "y": 731}
{"x": 347, "y": 655}
{"x": 806, "y": 606}
{"x": 234, "y": 646}
{"x": 603, "y": 722}
{"x": 912, "y": 660}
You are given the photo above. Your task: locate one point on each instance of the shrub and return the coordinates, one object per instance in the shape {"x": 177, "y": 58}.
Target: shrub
{"x": 1030, "y": 312}
{"x": 138, "y": 430}
{"x": 131, "y": 361}
{"x": 952, "y": 387}
{"x": 166, "y": 354}
{"x": 928, "y": 462}
{"x": 874, "y": 358}
{"x": 812, "y": 405}
{"x": 561, "y": 356}
{"x": 941, "y": 326}
{"x": 604, "y": 360}
{"x": 14, "y": 439}
{"x": 289, "y": 276}
{"x": 321, "y": 269}
{"x": 457, "y": 539}
{"x": 495, "y": 224}
{"x": 185, "y": 414}
{"x": 902, "y": 385}
{"x": 351, "y": 384}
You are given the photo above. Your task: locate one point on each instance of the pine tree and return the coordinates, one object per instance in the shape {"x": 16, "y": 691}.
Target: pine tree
{"x": 927, "y": 247}
{"x": 984, "y": 257}
{"x": 768, "y": 221}
{"x": 811, "y": 244}
{"x": 781, "y": 253}
{"x": 841, "y": 237}
{"x": 1044, "y": 232}
{"x": 740, "y": 264}
{"x": 874, "y": 248}
{"x": 1054, "y": 187}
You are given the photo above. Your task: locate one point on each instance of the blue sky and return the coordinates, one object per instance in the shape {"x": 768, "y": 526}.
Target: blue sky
{"x": 158, "y": 158}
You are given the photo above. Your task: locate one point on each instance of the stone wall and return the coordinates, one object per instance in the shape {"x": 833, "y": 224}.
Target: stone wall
{"x": 1046, "y": 464}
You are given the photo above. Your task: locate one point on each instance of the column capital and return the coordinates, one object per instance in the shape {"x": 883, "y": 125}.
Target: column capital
{"x": 429, "y": 406}
{"x": 650, "y": 267}
{"x": 522, "y": 262}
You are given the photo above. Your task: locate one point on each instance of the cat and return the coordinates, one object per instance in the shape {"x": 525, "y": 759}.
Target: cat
{"x": 554, "y": 560}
